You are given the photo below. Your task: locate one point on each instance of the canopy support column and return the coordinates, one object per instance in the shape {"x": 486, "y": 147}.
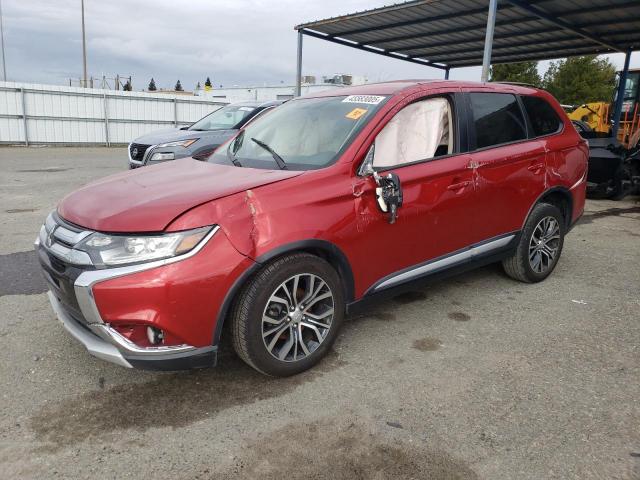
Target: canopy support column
{"x": 446, "y": 74}
{"x": 617, "y": 112}
{"x": 298, "y": 91}
{"x": 488, "y": 40}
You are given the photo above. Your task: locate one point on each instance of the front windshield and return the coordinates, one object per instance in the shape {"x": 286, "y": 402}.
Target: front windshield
{"x": 224, "y": 118}
{"x": 303, "y": 134}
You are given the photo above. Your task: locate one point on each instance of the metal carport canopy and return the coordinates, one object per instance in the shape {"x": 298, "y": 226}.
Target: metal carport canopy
{"x": 448, "y": 34}
{"x": 451, "y": 34}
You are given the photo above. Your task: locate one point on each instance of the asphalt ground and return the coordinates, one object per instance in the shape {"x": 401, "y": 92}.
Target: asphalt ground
{"x": 475, "y": 377}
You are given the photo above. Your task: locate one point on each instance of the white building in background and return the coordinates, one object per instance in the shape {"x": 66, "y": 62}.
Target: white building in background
{"x": 279, "y": 92}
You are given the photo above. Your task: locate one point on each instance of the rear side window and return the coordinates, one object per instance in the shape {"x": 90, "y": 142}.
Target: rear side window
{"x": 497, "y": 118}
{"x": 544, "y": 119}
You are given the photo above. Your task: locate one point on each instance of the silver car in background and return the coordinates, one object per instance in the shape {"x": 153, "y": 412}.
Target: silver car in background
{"x": 198, "y": 140}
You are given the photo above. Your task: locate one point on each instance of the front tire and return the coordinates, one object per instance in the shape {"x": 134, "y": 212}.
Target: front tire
{"x": 539, "y": 247}
{"x": 288, "y": 315}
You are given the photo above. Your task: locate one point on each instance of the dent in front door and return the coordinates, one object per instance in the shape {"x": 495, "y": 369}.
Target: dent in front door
{"x": 436, "y": 216}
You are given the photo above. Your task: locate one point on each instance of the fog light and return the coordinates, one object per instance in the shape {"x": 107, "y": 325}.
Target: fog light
{"x": 162, "y": 156}
{"x": 154, "y": 335}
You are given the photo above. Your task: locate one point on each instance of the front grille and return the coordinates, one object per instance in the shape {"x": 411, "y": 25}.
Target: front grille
{"x": 137, "y": 150}
{"x": 62, "y": 264}
{"x": 61, "y": 277}
{"x": 57, "y": 264}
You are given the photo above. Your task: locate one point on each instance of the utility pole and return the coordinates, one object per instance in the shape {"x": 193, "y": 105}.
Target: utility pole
{"x": 84, "y": 49}
{"x": 4, "y": 66}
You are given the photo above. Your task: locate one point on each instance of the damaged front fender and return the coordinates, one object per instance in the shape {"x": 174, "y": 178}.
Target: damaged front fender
{"x": 236, "y": 215}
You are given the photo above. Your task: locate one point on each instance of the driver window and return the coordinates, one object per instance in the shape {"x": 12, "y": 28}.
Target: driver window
{"x": 420, "y": 131}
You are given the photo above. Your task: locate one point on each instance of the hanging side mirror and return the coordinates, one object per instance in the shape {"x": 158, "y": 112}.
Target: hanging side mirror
{"x": 388, "y": 187}
{"x": 389, "y": 194}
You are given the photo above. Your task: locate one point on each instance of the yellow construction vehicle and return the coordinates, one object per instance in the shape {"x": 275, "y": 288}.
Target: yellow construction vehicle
{"x": 614, "y": 163}
{"x": 592, "y": 117}
{"x": 596, "y": 116}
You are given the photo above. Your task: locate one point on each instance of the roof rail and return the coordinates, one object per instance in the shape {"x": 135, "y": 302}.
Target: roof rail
{"x": 519, "y": 84}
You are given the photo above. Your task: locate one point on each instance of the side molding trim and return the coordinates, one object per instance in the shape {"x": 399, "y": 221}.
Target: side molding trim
{"x": 442, "y": 263}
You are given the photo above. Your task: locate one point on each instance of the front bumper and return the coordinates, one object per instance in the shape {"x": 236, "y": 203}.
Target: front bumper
{"x": 180, "y": 296}
{"x": 101, "y": 340}
{"x": 95, "y": 345}
{"x": 105, "y": 343}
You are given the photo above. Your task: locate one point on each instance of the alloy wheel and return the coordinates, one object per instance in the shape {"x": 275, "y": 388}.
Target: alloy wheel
{"x": 297, "y": 317}
{"x": 544, "y": 244}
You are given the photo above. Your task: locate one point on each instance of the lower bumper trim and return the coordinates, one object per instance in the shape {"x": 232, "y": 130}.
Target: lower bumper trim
{"x": 202, "y": 358}
{"x": 170, "y": 359}
{"x": 94, "y": 345}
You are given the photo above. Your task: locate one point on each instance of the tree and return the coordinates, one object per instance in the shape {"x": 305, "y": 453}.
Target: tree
{"x": 523, "y": 72}
{"x": 127, "y": 87}
{"x": 198, "y": 87}
{"x": 207, "y": 84}
{"x": 152, "y": 85}
{"x": 178, "y": 87}
{"x": 579, "y": 80}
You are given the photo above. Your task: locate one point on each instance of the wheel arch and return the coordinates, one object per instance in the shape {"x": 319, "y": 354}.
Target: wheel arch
{"x": 321, "y": 248}
{"x": 561, "y": 198}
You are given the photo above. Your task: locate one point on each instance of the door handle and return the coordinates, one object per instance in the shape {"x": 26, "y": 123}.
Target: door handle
{"x": 536, "y": 167}
{"x": 459, "y": 186}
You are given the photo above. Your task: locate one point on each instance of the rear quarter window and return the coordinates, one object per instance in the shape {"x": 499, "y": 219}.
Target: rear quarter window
{"x": 543, "y": 118}
{"x": 497, "y": 118}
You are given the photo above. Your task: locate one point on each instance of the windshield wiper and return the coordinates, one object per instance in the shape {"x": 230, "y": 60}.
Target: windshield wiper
{"x": 231, "y": 156}
{"x": 281, "y": 163}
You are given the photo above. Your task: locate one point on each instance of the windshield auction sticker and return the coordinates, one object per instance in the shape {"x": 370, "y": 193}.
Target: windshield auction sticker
{"x": 356, "y": 113}
{"x": 369, "y": 99}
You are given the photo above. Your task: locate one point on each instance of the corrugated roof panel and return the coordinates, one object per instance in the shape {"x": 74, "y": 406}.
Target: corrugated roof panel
{"x": 452, "y": 33}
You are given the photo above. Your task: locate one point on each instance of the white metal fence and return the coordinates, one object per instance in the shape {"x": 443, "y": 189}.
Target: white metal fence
{"x": 50, "y": 114}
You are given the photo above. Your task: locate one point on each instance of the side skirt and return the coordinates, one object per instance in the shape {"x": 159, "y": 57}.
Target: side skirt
{"x": 376, "y": 294}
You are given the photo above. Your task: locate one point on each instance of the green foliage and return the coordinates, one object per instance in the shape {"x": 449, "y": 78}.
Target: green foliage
{"x": 579, "y": 80}
{"x": 207, "y": 83}
{"x": 522, "y": 72}
{"x": 127, "y": 87}
{"x": 152, "y": 86}
{"x": 178, "y": 87}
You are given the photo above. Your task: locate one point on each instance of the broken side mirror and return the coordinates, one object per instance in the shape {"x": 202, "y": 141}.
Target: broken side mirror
{"x": 388, "y": 187}
{"x": 389, "y": 194}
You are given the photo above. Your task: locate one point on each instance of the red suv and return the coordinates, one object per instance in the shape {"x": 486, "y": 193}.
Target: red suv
{"x": 328, "y": 201}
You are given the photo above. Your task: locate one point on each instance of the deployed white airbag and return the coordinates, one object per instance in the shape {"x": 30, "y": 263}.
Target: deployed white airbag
{"x": 414, "y": 134}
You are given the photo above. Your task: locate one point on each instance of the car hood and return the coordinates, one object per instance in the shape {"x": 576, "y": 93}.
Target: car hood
{"x": 175, "y": 134}
{"x": 148, "y": 199}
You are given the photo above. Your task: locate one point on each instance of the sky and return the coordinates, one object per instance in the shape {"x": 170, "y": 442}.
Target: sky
{"x": 234, "y": 42}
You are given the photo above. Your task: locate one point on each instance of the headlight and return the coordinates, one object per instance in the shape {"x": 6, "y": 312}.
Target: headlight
{"x": 162, "y": 156}
{"x": 123, "y": 249}
{"x": 180, "y": 143}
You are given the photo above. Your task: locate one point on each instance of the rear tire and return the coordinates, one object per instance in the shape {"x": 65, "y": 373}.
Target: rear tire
{"x": 288, "y": 315}
{"x": 539, "y": 247}
{"x": 620, "y": 177}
